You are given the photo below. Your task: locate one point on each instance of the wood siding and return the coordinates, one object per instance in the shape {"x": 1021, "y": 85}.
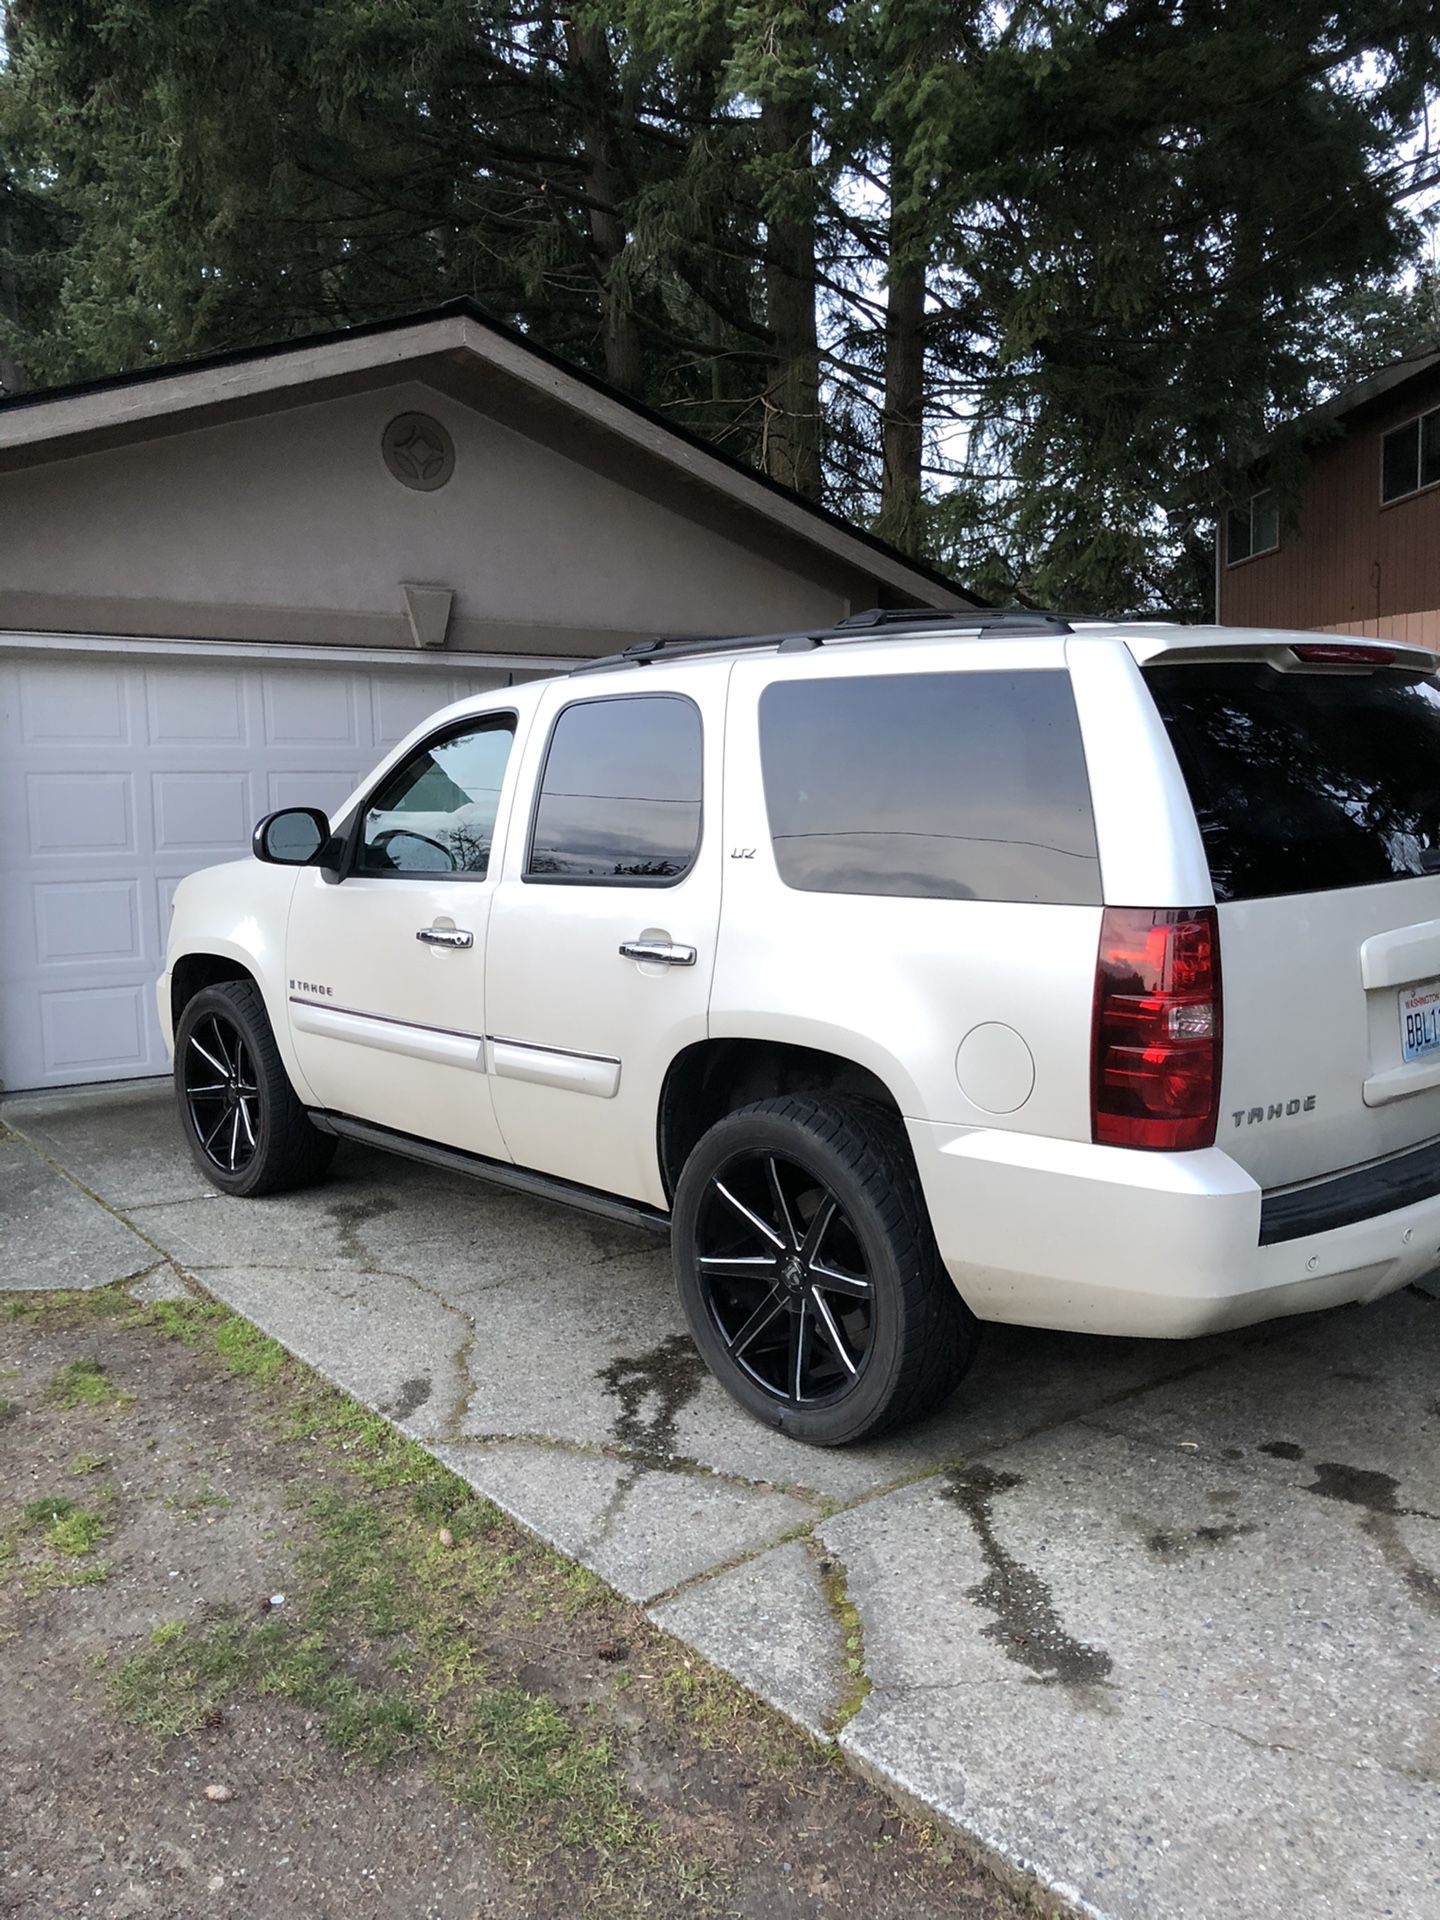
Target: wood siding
{"x": 1352, "y": 565}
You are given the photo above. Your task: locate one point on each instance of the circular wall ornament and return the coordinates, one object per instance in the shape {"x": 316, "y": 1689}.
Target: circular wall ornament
{"x": 418, "y": 451}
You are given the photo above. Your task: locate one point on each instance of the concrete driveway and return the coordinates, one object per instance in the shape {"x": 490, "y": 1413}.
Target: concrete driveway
{"x": 1159, "y": 1624}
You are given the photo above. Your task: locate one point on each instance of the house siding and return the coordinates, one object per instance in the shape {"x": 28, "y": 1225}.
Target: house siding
{"x": 1351, "y": 565}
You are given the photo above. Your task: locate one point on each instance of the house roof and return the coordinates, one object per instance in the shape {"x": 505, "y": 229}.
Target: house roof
{"x": 1375, "y": 386}
{"x": 464, "y": 350}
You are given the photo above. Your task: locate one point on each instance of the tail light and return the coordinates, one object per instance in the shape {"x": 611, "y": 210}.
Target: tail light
{"x": 1156, "y": 1048}
{"x": 1324, "y": 653}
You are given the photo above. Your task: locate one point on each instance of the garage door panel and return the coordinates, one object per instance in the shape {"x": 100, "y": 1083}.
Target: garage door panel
{"x": 73, "y": 704}
{"x": 89, "y": 920}
{"x": 117, "y": 781}
{"x": 306, "y": 709}
{"x": 202, "y": 812}
{"x": 195, "y": 707}
{"x": 80, "y": 813}
{"x": 94, "y": 1032}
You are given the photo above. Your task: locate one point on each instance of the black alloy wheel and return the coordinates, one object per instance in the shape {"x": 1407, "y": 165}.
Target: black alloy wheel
{"x": 222, "y": 1093}
{"x": 784, "y": 1279}
{"x": 808, "y": 1269}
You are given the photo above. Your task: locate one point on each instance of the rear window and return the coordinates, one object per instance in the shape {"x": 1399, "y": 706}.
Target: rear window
{"x": 945, "y": 786}
{"x": 1303, "y": 783}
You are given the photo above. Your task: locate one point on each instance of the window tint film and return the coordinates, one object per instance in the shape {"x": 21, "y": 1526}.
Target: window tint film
{"x": 1400, "y": 461}
{"x": 1305, "y": 782}
{"x": 947, "y": 786}
{"x": 436, "y": 812}
{"x": 620, "y": 794}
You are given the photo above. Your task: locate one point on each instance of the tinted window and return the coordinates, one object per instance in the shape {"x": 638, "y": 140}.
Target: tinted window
{"x": 620, "y": 794}
{"x": 949, "y": 786}
{"x": 1303, "y": 782}
{"x": 1400, "y": 461}
{"x": 436, "y": 812}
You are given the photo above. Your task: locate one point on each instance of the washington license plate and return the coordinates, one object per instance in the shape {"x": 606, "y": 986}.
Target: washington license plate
{"x": 1420, "y": 1019}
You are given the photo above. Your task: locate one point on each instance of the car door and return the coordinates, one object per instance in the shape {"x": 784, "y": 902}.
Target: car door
{"x": 386, "y": 966}
{"x": 602, "y": 936}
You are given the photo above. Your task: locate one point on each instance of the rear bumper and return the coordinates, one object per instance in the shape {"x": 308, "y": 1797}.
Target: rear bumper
{"x": 1059, "y": 1233}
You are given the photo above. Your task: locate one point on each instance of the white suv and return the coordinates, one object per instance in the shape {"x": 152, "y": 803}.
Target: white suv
{"x": 882, "y": 968}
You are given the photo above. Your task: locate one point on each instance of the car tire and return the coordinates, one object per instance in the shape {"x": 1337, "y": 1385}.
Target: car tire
{"x": 809, "y": 1273}
{"x": 246, "y": 1130}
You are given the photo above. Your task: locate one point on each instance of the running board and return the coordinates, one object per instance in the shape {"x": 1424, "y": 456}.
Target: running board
{"x": 541, "y": 1186}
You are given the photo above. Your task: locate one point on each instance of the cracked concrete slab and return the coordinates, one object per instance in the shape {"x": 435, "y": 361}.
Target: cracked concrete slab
{"x": 377, "y": 1335}
{"x": 1173, "y": 1688}
{"x": 53, "y": 1235}
{"x": 769, "y": 1624}
{"x": 642, "y": 1529}
{"x": 1158, "y": 1622}
{"x": 122, "y": 1140}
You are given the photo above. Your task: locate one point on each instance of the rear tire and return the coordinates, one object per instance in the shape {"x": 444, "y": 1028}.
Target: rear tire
{"x": 246, "y": 1130}
{"x": 809, "y": 1273}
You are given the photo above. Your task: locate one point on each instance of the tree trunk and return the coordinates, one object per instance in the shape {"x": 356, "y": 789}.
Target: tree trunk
{"x": 903, "y": 420}
{"x": 792, "y": 391}
{"x": 588, "y": 53}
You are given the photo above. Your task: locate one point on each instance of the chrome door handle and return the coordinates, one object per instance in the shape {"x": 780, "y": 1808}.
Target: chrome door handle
{"x": 446, "y": 937}
{"x": 665, "y": 951}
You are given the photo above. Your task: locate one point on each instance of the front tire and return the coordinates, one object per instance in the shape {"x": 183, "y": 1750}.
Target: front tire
{"x": 246, "y": 1130}
{"x": 809, "y": 1273}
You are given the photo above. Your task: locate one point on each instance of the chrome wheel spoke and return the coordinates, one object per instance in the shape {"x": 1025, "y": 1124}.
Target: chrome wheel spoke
{"x": 219, "y": 1065}
{"x": 740, "y": 1266}
{"x": 234, "y": 1138}
{"x": 831, "y": 1331}
{"x": 210, "y": 1137}
{"x": 820, "y": 1224}
{"x": 833, "y": 1281}
{"x": 800, "y": 1329}
{"x": 782, "y": 1205}
{"x": 243, "y": 1109}
{"x": 752, "y": 1219}
{"x": 206, "y": 1093}
{"x": 773, "y": 1304}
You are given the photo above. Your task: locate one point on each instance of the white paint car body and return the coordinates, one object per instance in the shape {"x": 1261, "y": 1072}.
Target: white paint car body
{"x": 538, "y": 1046}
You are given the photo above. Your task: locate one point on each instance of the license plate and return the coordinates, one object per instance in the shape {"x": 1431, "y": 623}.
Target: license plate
{"x": 1420, "y": 1019}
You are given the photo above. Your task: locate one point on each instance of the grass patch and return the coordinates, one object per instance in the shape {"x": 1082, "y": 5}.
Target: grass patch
{"x": 9, "y": 1410}
{"x": 87, "y": 1463}
{"x": 202, "y": 1497}
{"x": 846, "y": 1615}
{"x": 70, "y": 1534}
{"x": 85, "y": 1383}
{"x": 182, "y": 1677}
{"x": 248, "y": 1352}
{"x": 518, "y": 1756}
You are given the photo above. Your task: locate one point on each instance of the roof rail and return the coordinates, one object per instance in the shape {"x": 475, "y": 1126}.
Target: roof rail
{"x": 891, "y": 620}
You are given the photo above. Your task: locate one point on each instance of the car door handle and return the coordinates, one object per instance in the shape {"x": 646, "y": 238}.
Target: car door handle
{"x": 665, "y": 951}
{"x": 446, "y": 937}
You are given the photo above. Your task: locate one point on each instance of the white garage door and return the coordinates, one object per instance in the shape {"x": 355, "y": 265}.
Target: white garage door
{"x": 120, "y": 776}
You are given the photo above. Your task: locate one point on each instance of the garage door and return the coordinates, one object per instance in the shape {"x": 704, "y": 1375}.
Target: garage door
{"x": 117, "y": 778}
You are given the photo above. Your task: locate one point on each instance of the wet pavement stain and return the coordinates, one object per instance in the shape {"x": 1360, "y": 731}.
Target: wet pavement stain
{"x": 1356, "y": 1486}
{"x": 413, "y": 1393}
{"x": 664, "y": 1379}
{"x": 1283, "y": 1450}
{"x": 348, "y": 1216}
{"x": 1026, "y": 1625}
{"x": 1176, "y": 1543}
{"x": 1375, "y": 1494}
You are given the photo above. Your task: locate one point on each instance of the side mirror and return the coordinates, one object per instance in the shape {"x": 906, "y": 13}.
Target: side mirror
{"x": 293, "y": 837}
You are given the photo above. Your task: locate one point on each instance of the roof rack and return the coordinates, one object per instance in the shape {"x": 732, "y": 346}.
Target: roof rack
{"x": 889, "y": 620}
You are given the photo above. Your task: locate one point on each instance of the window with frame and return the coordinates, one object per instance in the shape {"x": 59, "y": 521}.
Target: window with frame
{"x": 435, "y": 814}
{"x": 938, "y": 786}
{"x": 1410, "y": 457}
{"x": 619, "y": 799}
{"x": 1252, "y": 528}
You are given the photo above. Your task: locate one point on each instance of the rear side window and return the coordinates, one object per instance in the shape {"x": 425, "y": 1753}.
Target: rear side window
{"x": 940, "y": 786}
{"x": 619, "y": 798}
{"x": 1306, "y": 782}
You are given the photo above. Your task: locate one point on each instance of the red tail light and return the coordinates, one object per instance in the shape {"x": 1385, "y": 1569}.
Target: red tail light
{"x": 1323, "y": 653}
{"x": 1156, "y": 1049}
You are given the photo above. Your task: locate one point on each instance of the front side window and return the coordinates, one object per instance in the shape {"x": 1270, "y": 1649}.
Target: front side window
{"x": 435, "y": 814}
{"x": 1410, "y": 457}
{"x": 941, "y": 786}
{"x": 1306, "y": 782}
{"x": 1252, "y": 528}
{"x": 619, "y": 799}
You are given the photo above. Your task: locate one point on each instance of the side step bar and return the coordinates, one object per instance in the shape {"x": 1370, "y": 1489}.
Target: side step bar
{"x": 542, "y": 1186}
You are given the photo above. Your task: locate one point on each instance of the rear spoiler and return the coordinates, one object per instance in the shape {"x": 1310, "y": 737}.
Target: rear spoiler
{"x": 1300, "y": 653}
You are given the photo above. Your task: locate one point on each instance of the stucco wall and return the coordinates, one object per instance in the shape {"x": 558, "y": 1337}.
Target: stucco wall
{"x": 289, "y": 527}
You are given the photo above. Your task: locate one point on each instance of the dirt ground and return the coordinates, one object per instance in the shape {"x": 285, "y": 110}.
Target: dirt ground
{"x": 262, "y": 1656}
